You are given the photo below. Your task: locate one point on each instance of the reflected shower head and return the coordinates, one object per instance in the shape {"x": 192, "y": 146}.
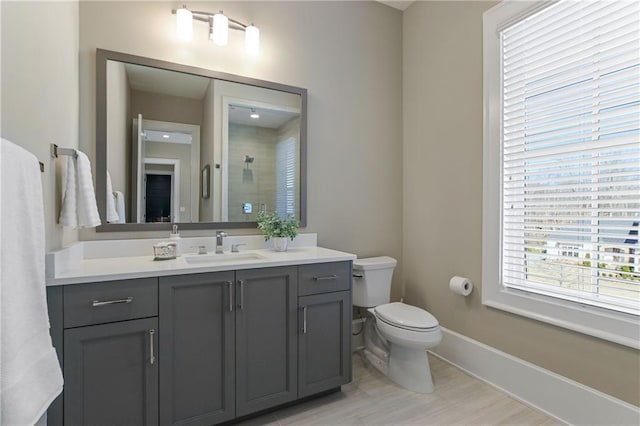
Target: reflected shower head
{"x": 248, "y": 159}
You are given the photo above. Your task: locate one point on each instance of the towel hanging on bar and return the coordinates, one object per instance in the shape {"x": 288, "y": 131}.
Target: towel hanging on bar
{"x": 79, "y": 207}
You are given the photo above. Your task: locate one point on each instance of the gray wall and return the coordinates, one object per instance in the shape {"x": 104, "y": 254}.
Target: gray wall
{"x": 175, "y": 109}
{"x": 40, "y": 91}
{"x": 443, "y": 203}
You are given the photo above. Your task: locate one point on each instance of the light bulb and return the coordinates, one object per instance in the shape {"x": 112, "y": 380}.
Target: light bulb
{"x": 220, "y": 35}
{"x": 184, "y": 24}
{"x": 252, "y": 40}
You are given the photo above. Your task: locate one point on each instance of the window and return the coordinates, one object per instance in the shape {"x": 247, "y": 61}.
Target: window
{"x": 562, "y": 164}
{"x": 286, "y": 171}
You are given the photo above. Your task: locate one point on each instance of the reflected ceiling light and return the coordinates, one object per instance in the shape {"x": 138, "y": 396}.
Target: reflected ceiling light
{"x": 219, "y": 26}
{"x": 254, "y": 114}
{"x": 184, "y": 24}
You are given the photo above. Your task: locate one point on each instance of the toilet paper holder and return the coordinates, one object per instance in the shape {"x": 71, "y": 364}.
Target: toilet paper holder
{"x": 461, "y": 285}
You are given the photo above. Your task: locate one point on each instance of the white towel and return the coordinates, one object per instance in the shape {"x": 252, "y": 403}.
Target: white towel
{"x": 79, "y": 208}
{"x": 30, "y": 375}
{"x": 112, "y": 214}
{"x": 120, "y": 206}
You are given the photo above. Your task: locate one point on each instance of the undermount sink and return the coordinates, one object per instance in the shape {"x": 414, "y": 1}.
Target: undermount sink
{"x": 224, "y": 257}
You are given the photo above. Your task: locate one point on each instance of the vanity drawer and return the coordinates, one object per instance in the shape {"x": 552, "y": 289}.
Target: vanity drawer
{"x": 324, "y": 278}
{"x": 96, "y": 303}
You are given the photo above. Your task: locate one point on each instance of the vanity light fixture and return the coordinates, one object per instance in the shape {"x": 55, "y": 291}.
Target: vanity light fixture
{"x": 254, "y": 114}
{"x": 219, "y": 25}
{"x": 184, "y": 24}
{"x": 219, "y": 29}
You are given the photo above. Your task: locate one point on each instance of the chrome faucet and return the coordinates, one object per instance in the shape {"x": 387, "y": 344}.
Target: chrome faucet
{"x": 235, "y": 248}
{"x": 219, "y": 236}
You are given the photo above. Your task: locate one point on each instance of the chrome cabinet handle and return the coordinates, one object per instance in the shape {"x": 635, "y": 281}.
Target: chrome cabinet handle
{"x": 241, "y": 304}
{"x": 326, "y": 278}
{"x": 304, "y": 320}
{"x": 97, "y": 303}
{"x": 152, "y": 358}
{"x": 230, "y": 289}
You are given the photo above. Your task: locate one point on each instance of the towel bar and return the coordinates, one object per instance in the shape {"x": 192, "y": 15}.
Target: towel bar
{"x": 55, "y": 151}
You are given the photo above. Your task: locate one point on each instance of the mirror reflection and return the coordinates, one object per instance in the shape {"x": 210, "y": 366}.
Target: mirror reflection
{"x": 165, "y": 164}
{"x": 193, "y": 149}
{"x": 263, "y": 160}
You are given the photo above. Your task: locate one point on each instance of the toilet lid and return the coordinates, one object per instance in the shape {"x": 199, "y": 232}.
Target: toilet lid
{"x": 406, "y": 316}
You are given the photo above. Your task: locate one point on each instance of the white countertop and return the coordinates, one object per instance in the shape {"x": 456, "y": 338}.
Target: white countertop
{"x": 78, "y": 269}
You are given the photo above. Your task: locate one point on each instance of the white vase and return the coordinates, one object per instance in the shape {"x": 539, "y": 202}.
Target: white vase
{"x": 280, "y": 243}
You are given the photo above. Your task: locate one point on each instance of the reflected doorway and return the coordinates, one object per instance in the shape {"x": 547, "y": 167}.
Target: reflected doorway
{"x": 158, "y": 197}
{"x": 161, "y": 147}
{"x": 161, "y": 190}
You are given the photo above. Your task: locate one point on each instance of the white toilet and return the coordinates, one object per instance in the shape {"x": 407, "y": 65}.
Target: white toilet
{"x": 397, "y": 335}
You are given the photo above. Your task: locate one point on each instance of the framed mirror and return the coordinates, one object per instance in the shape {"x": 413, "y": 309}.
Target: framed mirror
{"x": 200, "y": 148}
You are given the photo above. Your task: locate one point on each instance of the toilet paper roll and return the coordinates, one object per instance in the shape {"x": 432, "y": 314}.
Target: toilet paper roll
{"x": 461, "y": 285}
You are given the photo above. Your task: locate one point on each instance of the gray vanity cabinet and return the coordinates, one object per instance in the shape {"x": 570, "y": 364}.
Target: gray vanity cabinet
{"x": 266, "y": 338}
{"x": 200, "y": 349}
{"x": 111, "y": 374}
{"x": 110, "y": 351}
{"x": 324, "y": 342}
{"x": 197, "y": 349}
{"x": 229, "y": 344}
{"x": 55, "y": 305}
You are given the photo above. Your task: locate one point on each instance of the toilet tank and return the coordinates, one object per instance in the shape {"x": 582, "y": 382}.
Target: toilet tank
{"x": 372, "y": 280}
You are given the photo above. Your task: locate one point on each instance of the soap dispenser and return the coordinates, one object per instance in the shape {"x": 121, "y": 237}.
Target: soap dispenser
{"x": 174, "y": 237}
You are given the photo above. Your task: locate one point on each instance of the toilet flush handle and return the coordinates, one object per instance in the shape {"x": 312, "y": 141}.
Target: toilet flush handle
{"x": 357, "y": 276}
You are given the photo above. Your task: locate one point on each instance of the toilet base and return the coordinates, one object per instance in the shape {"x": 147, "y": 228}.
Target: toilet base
{"x": 381, "y": 364}
{"x": 409, "y": 368}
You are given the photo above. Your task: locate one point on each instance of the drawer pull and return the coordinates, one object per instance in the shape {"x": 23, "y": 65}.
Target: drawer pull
{"x": 358, "y": 276}
{"x": 152, "y": 358}
{"x": 240, "y": 305}
{"x": 97, "y": 303}
{"x": 304, "y": 320}
{"x": 326, "y": 278}
{"x": 230, "y": 289}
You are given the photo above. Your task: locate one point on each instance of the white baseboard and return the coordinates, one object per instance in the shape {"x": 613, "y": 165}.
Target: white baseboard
{"x": 555, "y": 395}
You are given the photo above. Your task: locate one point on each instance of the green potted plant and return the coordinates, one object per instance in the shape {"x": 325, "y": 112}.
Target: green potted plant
{"x": 277, "y": 228}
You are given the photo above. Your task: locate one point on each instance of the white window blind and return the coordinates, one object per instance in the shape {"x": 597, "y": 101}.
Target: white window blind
{"x": 286, "y": 178}
{"x": 571, "y": 154}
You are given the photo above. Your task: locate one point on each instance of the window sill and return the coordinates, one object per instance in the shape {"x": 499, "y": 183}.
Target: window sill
{"x": 620, "y": 328}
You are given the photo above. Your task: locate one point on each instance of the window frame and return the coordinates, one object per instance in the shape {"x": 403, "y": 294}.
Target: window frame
{"x": 603, "y": 323}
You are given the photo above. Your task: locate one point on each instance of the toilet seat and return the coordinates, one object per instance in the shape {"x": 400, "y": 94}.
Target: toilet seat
{"x": 406, "y": 317}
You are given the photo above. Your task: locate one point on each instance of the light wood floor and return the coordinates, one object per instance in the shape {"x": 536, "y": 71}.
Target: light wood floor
{"x": 371, "y": 399}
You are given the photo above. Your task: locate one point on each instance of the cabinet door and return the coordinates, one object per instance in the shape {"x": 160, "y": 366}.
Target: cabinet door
{"x": 111, "y": 374}
{"x": 55, "y": 307}
{"x": 324, "y": 342}
{"x": 266, "y": 340}
{"x": 197, "y": 372}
